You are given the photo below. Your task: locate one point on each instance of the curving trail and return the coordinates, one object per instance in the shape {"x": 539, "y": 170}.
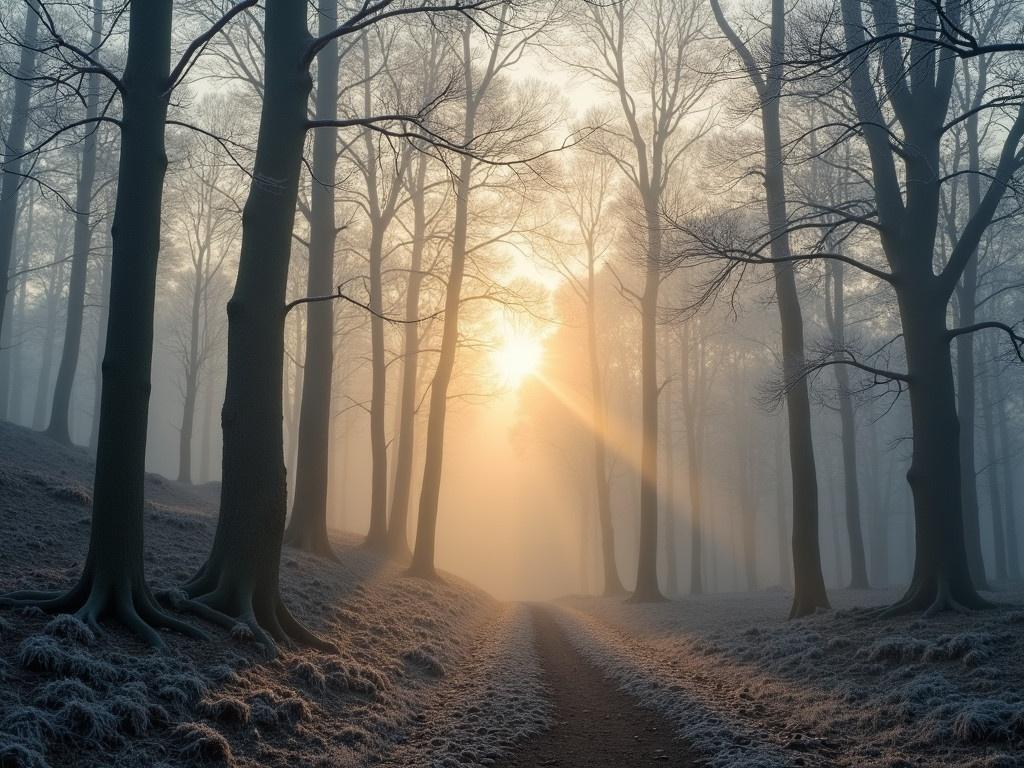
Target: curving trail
{"x": 596, "y": 725}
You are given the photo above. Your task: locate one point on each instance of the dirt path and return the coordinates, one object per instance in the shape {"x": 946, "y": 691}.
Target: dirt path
{"x": 596, "y": 725}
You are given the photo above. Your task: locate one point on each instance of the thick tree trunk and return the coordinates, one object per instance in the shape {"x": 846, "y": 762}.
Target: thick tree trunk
{"x": 113, "y": 579}
{"x": 14, "y": 145}
{"x": 398, "y": 525}
{"x": 101, "y": 336}
{"x": 240, "y": 581}
{"x": 1000, "y": 539}
{"x": 942, "y": 576}
{"x": 307, "y": 528}
{"x": 60, "y": 409}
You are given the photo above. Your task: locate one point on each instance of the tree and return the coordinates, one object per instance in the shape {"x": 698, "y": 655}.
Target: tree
{"x": 82, "y": 243}
{"x": 307, "y": 528}
{"x": 587, "y": 194}
{"x": 14, "y": 145}
{"x": 206, "y": 222}
{"x": 504, "y": 47}
{"x": 809, "y": 584}
{"x": 907, "y": 220}
{"x": 113, "y": 579}
{"x": 649, "y": 48}
{"x": 239, "y": 583}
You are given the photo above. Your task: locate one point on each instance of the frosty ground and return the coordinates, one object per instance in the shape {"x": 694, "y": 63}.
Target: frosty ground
{"x": 443, "y": 675}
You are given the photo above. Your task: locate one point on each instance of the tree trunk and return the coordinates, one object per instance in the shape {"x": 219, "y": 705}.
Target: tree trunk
{"x": 612, "y": 583}
{"x": 376, "y": 537}
{"x": 1006, "y": 448}
{"x": 188, "y": 418}
{"x": 942, "y": 576}
{"x": 430, "y": 492}
{"x": 880, "y": 515}
{"x": 647, "y": 589}
{"x": 101, "y": 335}
{"x": 14, "y": 146}
{"x": 808, "y": 584}
{"x": 693, "y": 402}
{"x": 49, "y": 342}
{"x": 10, "y": 354}
{"x": 307, "y": 529}
{"x": 113, "y": 579}
{"x": 426, "y": 530}
{"x": 240, "y": 581}
{"x": 398, "y": 525}
{"x": 60, "y": 409}
{"x": 1000, "y": 539}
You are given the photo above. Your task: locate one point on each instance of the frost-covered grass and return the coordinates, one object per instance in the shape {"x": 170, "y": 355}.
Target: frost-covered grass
{"x": 748, "y": 688}
{"x": 410, "y": 652}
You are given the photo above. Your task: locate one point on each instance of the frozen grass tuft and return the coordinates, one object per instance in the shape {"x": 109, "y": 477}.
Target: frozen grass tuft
{"x": 989, "y": 721}
{"x": 70, "y": 628}
{"x": 90, "y": 721}
{"x": 424, "y": 660}
{"x": 310, "y": 676}
{"x": 202, "y": 745}
{"x": 17, "y": 754}
{"x": 227, "y": 710}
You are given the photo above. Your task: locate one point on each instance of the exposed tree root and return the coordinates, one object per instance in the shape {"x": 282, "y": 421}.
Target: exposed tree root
{"x": 243, "y": 612}
{"x": 89, "y": 601}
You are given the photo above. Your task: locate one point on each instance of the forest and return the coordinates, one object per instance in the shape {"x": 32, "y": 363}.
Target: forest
{"x": 515, "y": 383}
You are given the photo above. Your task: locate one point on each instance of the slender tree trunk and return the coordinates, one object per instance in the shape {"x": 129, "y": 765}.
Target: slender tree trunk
{"x": 669, "y": 533}
{"x": 430, "y": 492}
{"x": 49, "y": 342}
{"x": 1000, "y": 539}
{"x": 809, "y": 586}
{"x": 880, "y": 515}
{"x": 307, "y": 528}
{"x": 398, "y": 525}
{"x": 612, "y": 583}
{"x": 188, "y": 418}
{"x": 240, "y": 580}
{"x": 10, "y": 354}
{"x": 60, "y": 409}
{"x": 426, "y": 530}
{"x": 784, "y": 535}
{"x": 206, "y": 449}
{"x": 14, "y": 145}
{"x": 647, "y": 589}
{"x": 693, "y": 400}
{"x": 1007, "y": 465}
{"x": 376, "y": 538}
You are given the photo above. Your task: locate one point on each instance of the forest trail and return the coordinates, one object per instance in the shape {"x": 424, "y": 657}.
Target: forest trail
{"x": 595, "y": 724}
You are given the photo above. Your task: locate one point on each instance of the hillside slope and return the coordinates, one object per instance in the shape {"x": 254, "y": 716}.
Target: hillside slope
{"x": 72, "y": 698}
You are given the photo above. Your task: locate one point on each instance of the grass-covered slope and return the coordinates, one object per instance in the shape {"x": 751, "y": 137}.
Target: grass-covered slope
{"x": 71, "y": 698}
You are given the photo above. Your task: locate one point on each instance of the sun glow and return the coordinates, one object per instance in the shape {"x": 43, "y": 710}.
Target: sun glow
{"x": 517, "y": 358}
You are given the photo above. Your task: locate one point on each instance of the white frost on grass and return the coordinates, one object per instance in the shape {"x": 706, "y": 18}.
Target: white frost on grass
{"x": 748, "y": 688}
{"x": 74, "y": 697}
{"x": 495, "y": 700}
